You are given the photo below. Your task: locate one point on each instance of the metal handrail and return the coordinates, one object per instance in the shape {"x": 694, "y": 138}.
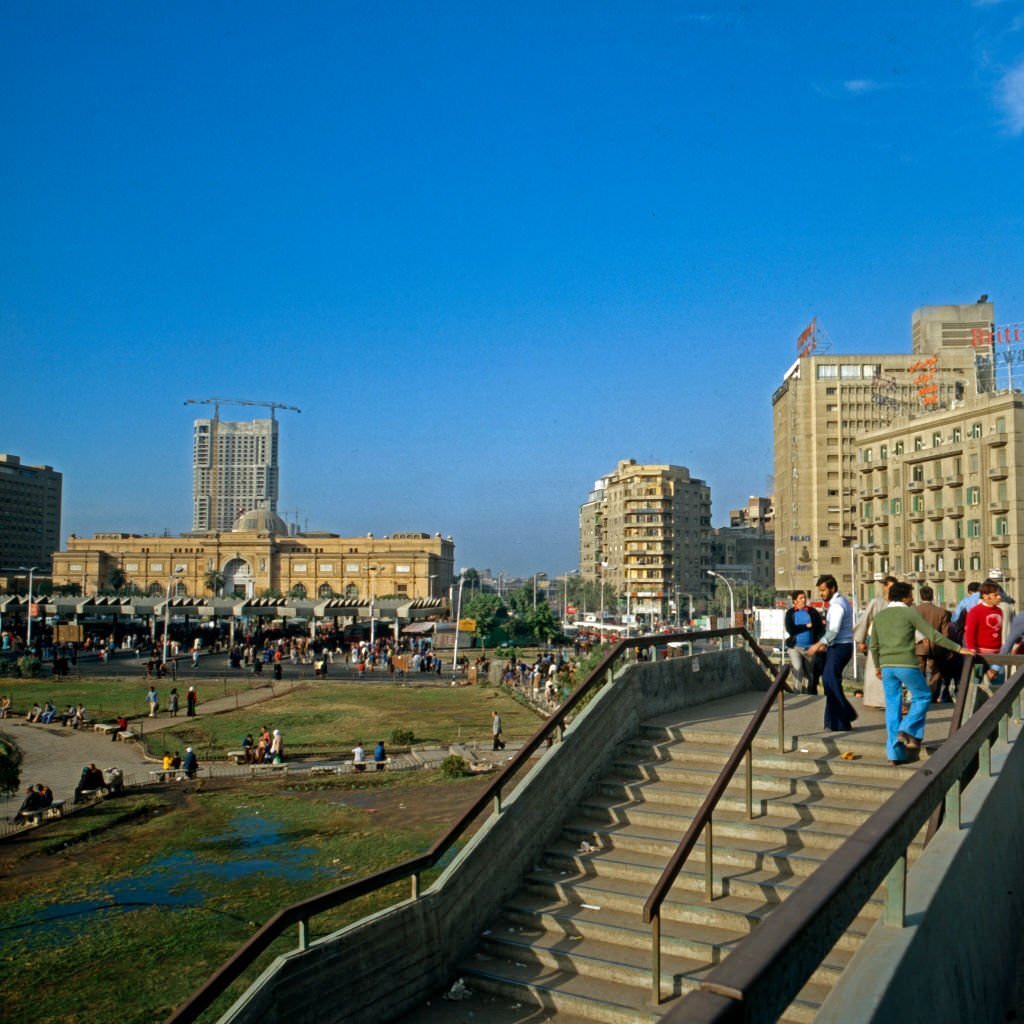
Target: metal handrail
{"x": 763, "y": 975}
{"x": 702, "y": 821}
{"x": 299, "y": 913}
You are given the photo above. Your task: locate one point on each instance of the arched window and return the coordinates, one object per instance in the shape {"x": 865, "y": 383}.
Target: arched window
{"x": 351, "y": 590}
{"x": 298, "y": 592}
{"x": 325, "y": 591}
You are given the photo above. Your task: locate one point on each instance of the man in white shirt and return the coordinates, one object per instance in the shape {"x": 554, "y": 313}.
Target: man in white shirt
{"x": 837, "y": 643}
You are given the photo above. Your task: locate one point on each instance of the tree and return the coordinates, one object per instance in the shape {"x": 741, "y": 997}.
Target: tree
{"x": 471, "y": 579}
{"x": 544, "y": 622}
{"x": 214, "y": 582}
{"x": 486, "y": 609}
{"x": 10, "y": 766}
{"x": 521, "y": 601}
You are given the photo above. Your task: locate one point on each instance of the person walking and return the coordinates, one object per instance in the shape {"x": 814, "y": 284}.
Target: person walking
{"x": 498, "y": 742}
{"x": 874, "y": 694}
{"x": 153, "y": 699}
{"x": 837, "y": 643}
{"x": 934, "y": 662}
{"x": 190, "y": 701}
{"x": 983, "y": 628}
{"x": 893, "y": 640}
{"x": 172, "y": 702}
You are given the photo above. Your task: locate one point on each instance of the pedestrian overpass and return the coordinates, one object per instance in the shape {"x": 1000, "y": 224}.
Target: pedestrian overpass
{"x": 667, "y": 847}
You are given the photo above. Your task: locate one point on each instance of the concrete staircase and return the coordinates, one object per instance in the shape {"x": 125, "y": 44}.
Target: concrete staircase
{"x": 571, "y": 944}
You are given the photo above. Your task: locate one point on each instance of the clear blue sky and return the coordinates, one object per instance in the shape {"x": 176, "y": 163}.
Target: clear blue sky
{"x": 488, "y": 249}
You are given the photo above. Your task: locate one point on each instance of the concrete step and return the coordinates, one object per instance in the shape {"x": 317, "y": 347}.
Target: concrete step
{"x": 774, "y": 829}
{"x": 769, "y": 886}
{"x": 729, "y": 912}
{"x": 870, "y": 763}
{"x": 690, "y": 797}
{"x": 764, "y": 782}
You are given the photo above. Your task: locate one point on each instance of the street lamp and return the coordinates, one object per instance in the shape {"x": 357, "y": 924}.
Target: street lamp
{"x": 30, "y": 569}
{"x": 854, "y": 548}
{"x": 369, "y": 584}
{"x": 604, "y": 565}
{"x": 458, "y": 617}
{"x": 167, "y": 612}
{"x": 732, "y": 603}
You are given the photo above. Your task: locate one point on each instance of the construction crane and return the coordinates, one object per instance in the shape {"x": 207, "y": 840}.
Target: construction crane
{"x": 216, "y": 403}
{"x": 212, "y": 511}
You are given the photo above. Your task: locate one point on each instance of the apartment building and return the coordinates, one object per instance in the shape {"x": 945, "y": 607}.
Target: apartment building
{"x": 828, "y": 402}
{"x": 758, "y": 513}
{"x": 941, "y": 499}
{"x": 647, "y": 530}
{"x": 30, "y": 510}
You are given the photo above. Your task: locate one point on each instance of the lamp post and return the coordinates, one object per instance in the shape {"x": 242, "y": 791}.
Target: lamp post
{"x": 167, "y": 615}
{"x": 370, "y": 569}
{"x": 854, "y": 548}
{"x": 30, "y": 569}
{"x": 732, "y": 603}
{"x": 458, "y": 617}
{"x": 604, "y": 565}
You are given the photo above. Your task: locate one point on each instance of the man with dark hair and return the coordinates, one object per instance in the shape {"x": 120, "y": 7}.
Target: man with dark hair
{"x": 803, "y": 627}
{"x": 934, "y": 662}
{"x": 892, "y": 643}
{"x": 837, "y": 643}
{"x": 874, "y": 695}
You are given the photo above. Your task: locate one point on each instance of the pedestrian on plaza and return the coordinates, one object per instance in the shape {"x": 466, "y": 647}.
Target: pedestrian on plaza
{"x": 804, "y": 627}
{"x": 172, "y": 702}
{"x": 190, "y": 763}
{"x": 874, "y": 694}
{"x": 933, "y": 661}
{"x": 190, "y": 701}
{"x": 893, "y": 648}
{"x": 983, "y": 629}
{"x": 154, "y": 701}
{"x": 837, "y": 643}
{"x": 379, "y": 756}
{"x": 498, "y": 743}
{"x": 358, "y": 757}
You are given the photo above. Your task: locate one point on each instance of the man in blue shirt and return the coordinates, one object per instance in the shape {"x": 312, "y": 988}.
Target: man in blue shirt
{"x": 837, "y": 643}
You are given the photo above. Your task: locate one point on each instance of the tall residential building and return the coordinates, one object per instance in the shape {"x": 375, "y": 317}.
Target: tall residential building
{"x": 30, "y": 499}
{"x": 826, "y": 402}
{"x": 646, "y": 530}
{"x": 234, "y": 471}
{"x": 941, "y": 499}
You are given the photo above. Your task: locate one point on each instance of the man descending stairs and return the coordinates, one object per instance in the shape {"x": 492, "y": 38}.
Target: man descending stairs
{"x": 571, "y": 943}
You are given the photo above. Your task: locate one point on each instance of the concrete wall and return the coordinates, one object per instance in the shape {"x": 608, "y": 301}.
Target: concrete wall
{"x": 381, "y": 966}
{"x": 956, "y": 958}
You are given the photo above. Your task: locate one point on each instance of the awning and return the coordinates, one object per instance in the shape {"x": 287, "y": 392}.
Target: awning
{"x": 418, "y": 627}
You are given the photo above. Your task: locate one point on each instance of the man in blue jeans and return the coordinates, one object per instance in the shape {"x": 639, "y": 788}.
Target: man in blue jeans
{"x": 837, "y": 643}
{"x": 892, "y": 644}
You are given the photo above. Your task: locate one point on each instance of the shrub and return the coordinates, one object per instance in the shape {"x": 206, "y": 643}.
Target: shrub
{"x": 29, "y": 666}
{"x": 454, "y": 767}
{"x": 402, "y": 737}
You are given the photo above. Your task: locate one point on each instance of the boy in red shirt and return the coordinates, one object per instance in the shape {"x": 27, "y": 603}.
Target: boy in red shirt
{"x": 983, "y": 630}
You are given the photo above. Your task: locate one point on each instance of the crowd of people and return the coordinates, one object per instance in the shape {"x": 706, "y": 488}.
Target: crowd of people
{"x": 37, "y": 798}
{"x": 74, "y": 715}
{"x": 268, "y": 749}
{"x": 913, "y": 652}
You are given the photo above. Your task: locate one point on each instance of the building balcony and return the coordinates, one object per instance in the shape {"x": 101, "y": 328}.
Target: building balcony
{"x": 936, "y": 483}
{"x": 916, "y": 515}
{"x": 935, "y": 514}
{"x": 955, "y": 543}
{"x": 955, "y": 511}
{"x": 955, "y": 480}
{"x": 956, "y": 575}
{"x": 1000, "y": 506}
{"x": 880, "y": 492}
{"x": 936, "y": 545}
{"x": 998, "y": 472}
{"x": 997, "y": 440}
{"x": 938, "y": 575}
{"x": 1000, "y": 540}
{"x": 864, "y": 492}
{"x": 865, "y": 522}
{"x": 915, "y": 486}
{"x": 881, "y": 519}
{"x": 916, "y": 545}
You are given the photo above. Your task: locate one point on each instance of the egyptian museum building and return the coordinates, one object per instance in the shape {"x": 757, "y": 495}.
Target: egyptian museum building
{"x": 259, "y": 557}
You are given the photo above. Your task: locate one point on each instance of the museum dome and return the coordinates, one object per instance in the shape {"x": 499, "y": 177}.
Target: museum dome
{"x": 260, "y": 520}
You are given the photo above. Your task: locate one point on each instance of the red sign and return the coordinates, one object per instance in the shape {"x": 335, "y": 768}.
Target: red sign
{"x": 570, "y": 609}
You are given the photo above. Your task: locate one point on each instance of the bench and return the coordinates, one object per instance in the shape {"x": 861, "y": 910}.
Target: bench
{"x": 283, "y": 767}
{"x": 238, "y": 756}
{"x": 125, "y": 735}
{"x": 55, "y": 810}
{"x": 169, "y": 774}
{"x": 105, "y": 728}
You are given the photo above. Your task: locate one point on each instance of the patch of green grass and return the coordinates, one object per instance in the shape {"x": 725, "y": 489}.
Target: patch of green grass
{"x": 129, "y": 907}
{"x": 335, "y": 716}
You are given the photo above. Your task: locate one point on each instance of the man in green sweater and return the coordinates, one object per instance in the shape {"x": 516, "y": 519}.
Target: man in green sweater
{"x": 892, "y": 646}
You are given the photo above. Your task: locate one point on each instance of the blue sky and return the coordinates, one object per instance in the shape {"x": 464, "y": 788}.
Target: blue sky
{"x": 488, "y": 249}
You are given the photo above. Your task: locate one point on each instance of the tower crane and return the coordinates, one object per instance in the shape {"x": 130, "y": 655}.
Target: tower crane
{"x": 216, "y": 403}
{"x": 212, "y": 512}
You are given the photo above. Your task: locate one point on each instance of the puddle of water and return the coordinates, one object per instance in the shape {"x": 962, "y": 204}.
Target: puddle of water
{"x": 180, "y": 880}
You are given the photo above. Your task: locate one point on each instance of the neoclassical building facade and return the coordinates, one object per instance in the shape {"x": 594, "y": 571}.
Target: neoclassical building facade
{"x": 259, "y": 557}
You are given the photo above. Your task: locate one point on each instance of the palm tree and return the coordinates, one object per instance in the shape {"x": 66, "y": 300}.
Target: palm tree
{"x": 214, "y": 582}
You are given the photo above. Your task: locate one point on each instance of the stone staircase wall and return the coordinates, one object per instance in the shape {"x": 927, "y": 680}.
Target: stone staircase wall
{"x": 386, "y": 964}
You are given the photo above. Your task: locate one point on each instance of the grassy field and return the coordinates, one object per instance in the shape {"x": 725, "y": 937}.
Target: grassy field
{"x": 326, "y": 717}
{"x": 126, "y": 909}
